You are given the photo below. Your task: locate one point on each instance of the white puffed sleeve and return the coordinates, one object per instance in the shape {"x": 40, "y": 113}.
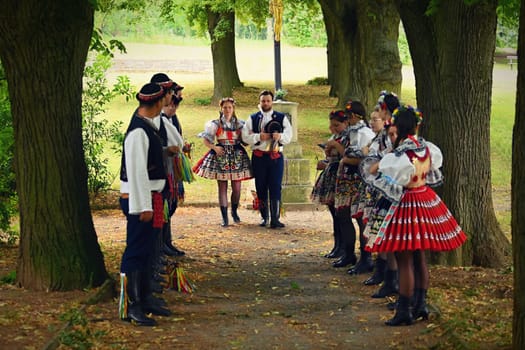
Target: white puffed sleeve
{"x": 210, "y": 130}
{"x": 434, "y": 176}
{"x": 395, "y": 173}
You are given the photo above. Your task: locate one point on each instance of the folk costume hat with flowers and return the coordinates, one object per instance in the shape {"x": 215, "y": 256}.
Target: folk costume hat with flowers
{"x": 356, "y": 108}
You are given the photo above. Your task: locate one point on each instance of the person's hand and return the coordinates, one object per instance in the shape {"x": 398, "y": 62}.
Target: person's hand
{"x": 365, "y": 150}
{"x": 276, "y": 136}
{"x": 173, "y": 149}
{"x": 331, "y": 144}
{"x": 321, "y": 165}
{"x": 219, "y": 150}
{"x": 146, "y": 216}
{"x": 264, "y": 136}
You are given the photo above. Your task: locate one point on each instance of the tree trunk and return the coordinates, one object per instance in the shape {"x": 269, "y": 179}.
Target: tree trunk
{"x": 43, "y": 47}
{"x": 363, "y": 56}
{"x": 452, "y": 51}
{"x": 518, "y": 193}
{"x": 221, "y": 27}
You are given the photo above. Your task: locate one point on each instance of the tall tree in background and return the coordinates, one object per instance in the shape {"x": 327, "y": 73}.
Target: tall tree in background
{"x": 217, "y": 18}
{"x": 452, "y": 48}
{"x": 363, "y": 57}
{"x": 43, "y": 47}
{"x": 518, "y": 194}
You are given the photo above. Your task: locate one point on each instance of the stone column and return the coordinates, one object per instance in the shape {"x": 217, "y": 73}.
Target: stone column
{"x": 296, "y": 178}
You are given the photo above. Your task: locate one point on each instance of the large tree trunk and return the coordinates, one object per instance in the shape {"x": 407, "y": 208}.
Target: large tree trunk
{"x": 363, "y": 56}
{"x": 452, "y": 51}
{"x": 518, "y": 193}
{"x": 43, "y": 47}
{"x": 221, "y": 27}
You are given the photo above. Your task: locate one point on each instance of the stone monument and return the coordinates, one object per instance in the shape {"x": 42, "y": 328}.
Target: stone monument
{"x": 296, "y": 177}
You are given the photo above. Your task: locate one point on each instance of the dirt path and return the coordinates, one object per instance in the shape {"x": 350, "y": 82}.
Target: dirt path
{"x": 257, "y": 289}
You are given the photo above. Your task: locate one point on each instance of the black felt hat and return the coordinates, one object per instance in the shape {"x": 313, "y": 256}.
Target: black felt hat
{"x": 150, "y": 93}
{"x": 163, "y": 80}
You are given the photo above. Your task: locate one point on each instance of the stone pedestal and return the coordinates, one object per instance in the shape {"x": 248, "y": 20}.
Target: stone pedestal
{"x": 296, "y": 177}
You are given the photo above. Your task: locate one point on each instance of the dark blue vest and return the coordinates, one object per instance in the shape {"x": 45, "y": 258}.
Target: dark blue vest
{"x": 157, "y": 139}
{"x": 258, "y": 117}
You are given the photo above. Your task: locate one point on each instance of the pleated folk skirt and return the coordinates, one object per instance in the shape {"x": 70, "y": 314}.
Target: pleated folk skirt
{"x": 421, "y": 221}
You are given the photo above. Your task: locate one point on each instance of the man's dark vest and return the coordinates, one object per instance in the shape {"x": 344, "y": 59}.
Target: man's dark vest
{"x": 257, "y": 118}
{"x": 157, "y": 139}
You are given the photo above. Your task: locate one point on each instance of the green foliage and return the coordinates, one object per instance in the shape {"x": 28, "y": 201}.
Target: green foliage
{"x": 8, "y": 196}
{"x": 96, "y": 132}
{"x": 202, "y": 101}
{"x": 78, "y": 336}
{"x": 402, "y": 44}
{"x": 10, "y": 278}
{"x": 303, "y": 24}
{"x": 318, "y": 81}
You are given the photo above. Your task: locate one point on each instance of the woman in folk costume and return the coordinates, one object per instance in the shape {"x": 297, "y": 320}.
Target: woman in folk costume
{"x": 348, "y": 180}
{"x": 418, "y": 220}
{"x": 324, "y": 188}
{"x": 227, "y": 159}
{"x": 385, "y": 264}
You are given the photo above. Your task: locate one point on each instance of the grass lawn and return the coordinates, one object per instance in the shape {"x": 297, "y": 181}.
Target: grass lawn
{"x": 191, "y": 67}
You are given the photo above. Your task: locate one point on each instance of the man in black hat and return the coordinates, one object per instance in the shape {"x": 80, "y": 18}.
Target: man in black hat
{"x": 266, "y": 131}
{"x": 143, "y": 179}
{"x": 169, "y": 112}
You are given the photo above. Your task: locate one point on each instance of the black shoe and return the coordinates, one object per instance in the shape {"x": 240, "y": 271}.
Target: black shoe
{"x": 156, "y": 310}
{"x": 389, "y": 287}
{"x": 264, "y": 222}
{"x": 135, "y": 313}
{"x": 172, "y": 251}
{"x": 379, "y": 273}
{"x": 275, "y": 214}
{"x": 403, "y": 314}
{"x": 345, "y": 260}
{"x": 235, "y": 216}
{"x": 224, "y": 214}
{"x": 335, "y": 253}
{"x": 364, "y": 265}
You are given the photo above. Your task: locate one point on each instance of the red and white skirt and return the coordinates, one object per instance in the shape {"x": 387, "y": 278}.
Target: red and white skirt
{"x": 420, "y": 221}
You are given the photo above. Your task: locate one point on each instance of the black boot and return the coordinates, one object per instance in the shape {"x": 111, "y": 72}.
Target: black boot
{"x": 336, "y": 251}
{"x": 135, "y": 312}
{"x": 379, "y": 273}
{"x": 364, "y": 265}
{"x": 420, "y": 308}
{"x": 275, "y": 208}
{"x": 224, "y": 214}
{"x": 151, "y": 304}
{"x": 263, "y": 209}
{"x": 403, "y": 314}
{"x": 346, "y": 259}
{"x": 390, "y": 285}
{"x": 168, "y": 248}
{"x": 235, "y": 216}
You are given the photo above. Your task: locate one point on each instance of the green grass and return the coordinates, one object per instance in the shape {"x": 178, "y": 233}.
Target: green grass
{"x": 299, "y": 65}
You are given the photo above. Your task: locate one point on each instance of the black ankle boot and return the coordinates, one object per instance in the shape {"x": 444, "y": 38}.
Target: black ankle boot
{"x": 224, "y": 214}
{"x": 379, "y": 273}
{"x": 336, "y": 250}
{"x": 420, "y": 307}
{"x": 235, "y": 216}
{"x": 275, "y": 208}
{"x": 364, "y": 265}
{"x": 390, "y": 285}
{"x": 135, "y": 312}
{"x": 345, "y": 260}
{"x": 403, "y": 314}
{"x": 263, "y": 209}
{"x": 151, "y": 304}
{"x": 168, "y": 248}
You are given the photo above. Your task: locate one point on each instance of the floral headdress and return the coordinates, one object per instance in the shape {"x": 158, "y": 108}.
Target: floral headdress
{"x": 338, "y": 114}
{"x": 382, "y": 104}
{"x": 407, "y": 108}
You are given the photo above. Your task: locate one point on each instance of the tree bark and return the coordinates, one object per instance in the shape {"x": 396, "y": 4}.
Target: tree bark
{"x": 452, "y": 52}
{"x": 221, "y": 27}
{"x": 518, "y": 193}
{"x": 43, "y": 47}
{"x": 363, "y": 56}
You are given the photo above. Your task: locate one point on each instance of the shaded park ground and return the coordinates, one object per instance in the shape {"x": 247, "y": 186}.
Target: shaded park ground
{"x": 258, "y": 288}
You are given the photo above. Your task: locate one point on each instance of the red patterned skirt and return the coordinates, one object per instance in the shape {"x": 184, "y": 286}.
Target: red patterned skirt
{"x": 421, "y": 221}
